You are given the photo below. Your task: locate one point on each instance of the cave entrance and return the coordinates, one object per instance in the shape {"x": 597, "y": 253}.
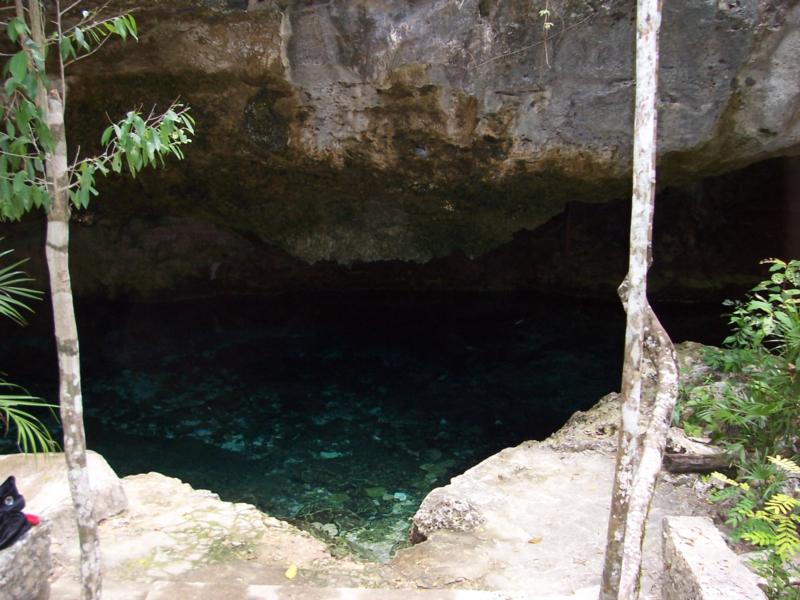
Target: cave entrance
{"x": 338, "y": 412}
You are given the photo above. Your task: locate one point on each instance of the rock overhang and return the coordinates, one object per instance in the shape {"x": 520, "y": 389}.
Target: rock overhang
{"x": 366, "y": 131}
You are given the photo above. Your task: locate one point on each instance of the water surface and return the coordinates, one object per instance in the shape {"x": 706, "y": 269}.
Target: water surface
{"x": 337, "y": 412}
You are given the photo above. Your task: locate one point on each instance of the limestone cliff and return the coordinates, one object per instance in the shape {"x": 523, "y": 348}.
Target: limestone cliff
{"x": 370, "y": 130}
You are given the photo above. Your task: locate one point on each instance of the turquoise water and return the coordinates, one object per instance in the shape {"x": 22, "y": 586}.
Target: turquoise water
{"x": 338, "y": 413}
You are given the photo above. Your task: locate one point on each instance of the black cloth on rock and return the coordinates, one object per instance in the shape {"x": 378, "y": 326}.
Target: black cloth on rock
{"x": 12, "y": 521}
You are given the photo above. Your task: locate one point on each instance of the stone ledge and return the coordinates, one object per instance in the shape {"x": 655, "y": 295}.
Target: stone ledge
{"x": 25, "y": 566}
{"x": 172, "y": 590}
{"x": 698, "y": 565}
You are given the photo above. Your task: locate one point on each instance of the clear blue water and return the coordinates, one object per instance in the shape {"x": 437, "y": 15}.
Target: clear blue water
{"x": 337, "y": 412}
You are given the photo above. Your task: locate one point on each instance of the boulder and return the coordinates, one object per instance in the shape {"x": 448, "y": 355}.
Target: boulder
{"x": 43, "y": 482}
{"x": 441, "y": 510}
{"x": 25, "y": 566}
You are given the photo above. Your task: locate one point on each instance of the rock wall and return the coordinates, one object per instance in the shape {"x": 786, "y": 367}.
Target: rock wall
{"x": 374, "y": 130}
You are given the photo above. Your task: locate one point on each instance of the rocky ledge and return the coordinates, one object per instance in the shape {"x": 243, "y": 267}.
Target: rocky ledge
{"x": 532, "y": 517}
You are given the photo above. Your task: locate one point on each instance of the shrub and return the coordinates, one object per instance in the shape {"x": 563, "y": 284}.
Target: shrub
{"x": 754, "y": 414}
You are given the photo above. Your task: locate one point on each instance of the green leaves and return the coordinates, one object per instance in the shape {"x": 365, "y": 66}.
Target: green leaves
{"x": 17, "y": 28}
{"x": 23, "y": 141}
{"x": 133, "y": 143}
{"x": 90, "y": 34}
{"x": 768, "y": 519}
{"x": 32, "y": 435}
{"x": 144, "y": 142}
{"x": 18, "y": 66}
{"x": 770, "y": 314}
{"x": 13, "y": 291}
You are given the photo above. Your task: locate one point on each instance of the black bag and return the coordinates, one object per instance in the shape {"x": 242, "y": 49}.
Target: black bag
{"x": 13, "y": 523}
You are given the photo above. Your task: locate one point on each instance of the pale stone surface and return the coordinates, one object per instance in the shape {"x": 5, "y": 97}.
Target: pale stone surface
{"x": 198, "y": 591}
{"x": 680, "y": 443}
{"x": 43, "y": 482}
{"x": 416, "y": 94}
{"x": 542, "y": 518}
{"x": 544, "y": 507}
{"x": 595, "y": 429}
{"x": 25, "y": 566}
{"x": 455, "y": 133}
{"x": 700, "y": 566}
{"x": 171, "y": 531}
{"x": 545, "y": 516}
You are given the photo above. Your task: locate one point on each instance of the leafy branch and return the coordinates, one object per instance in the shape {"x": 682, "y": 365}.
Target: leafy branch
{"x": 134, "y": 142}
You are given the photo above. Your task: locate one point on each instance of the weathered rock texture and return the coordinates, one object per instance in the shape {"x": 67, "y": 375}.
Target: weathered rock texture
{"x": 440, "y": 510}
{"x": 43, "y": 482}
{"x": 171, "y": 531}
{"x": 374, "y": 130}
{"x": 597, "y": 429}
{"x": 543, "y": 516}
{"x": 25, "y": 566}
{"x": 700, "y": 566}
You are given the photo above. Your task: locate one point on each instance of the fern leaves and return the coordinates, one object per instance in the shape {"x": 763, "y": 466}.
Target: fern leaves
{"x": 774, "y": 526}
{"x": 785, "y": 464}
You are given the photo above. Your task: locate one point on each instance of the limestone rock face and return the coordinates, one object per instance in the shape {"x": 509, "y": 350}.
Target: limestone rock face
{"x": 391, "y": 129}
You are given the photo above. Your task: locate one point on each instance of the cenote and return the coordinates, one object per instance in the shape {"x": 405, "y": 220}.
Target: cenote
{"x": 338, "y": 412}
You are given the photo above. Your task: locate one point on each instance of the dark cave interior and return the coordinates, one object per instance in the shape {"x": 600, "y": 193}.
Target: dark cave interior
{"x": 327, "y": 393}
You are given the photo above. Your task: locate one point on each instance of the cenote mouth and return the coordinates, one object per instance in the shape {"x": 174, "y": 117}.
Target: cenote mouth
{"x": 336, "y": 412}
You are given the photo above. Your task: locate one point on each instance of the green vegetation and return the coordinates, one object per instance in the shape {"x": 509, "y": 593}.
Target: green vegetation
{"x": 755, "y": 416}
{"x": 32, "y": 435}
{"x": 769, "y": 521}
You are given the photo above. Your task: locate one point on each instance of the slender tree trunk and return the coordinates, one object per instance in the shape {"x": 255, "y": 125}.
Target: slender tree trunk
{"x": 660, "y": 354}
{"x": 66, "y": 334}
{"x": 619, "y": 556}
{"x": 66, "y": 331}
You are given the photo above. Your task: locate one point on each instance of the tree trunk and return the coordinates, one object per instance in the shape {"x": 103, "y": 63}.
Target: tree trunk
{"x": 661, "y": 354}
{"x": 66, "y": 333}
{"x": 619, "y": 555}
